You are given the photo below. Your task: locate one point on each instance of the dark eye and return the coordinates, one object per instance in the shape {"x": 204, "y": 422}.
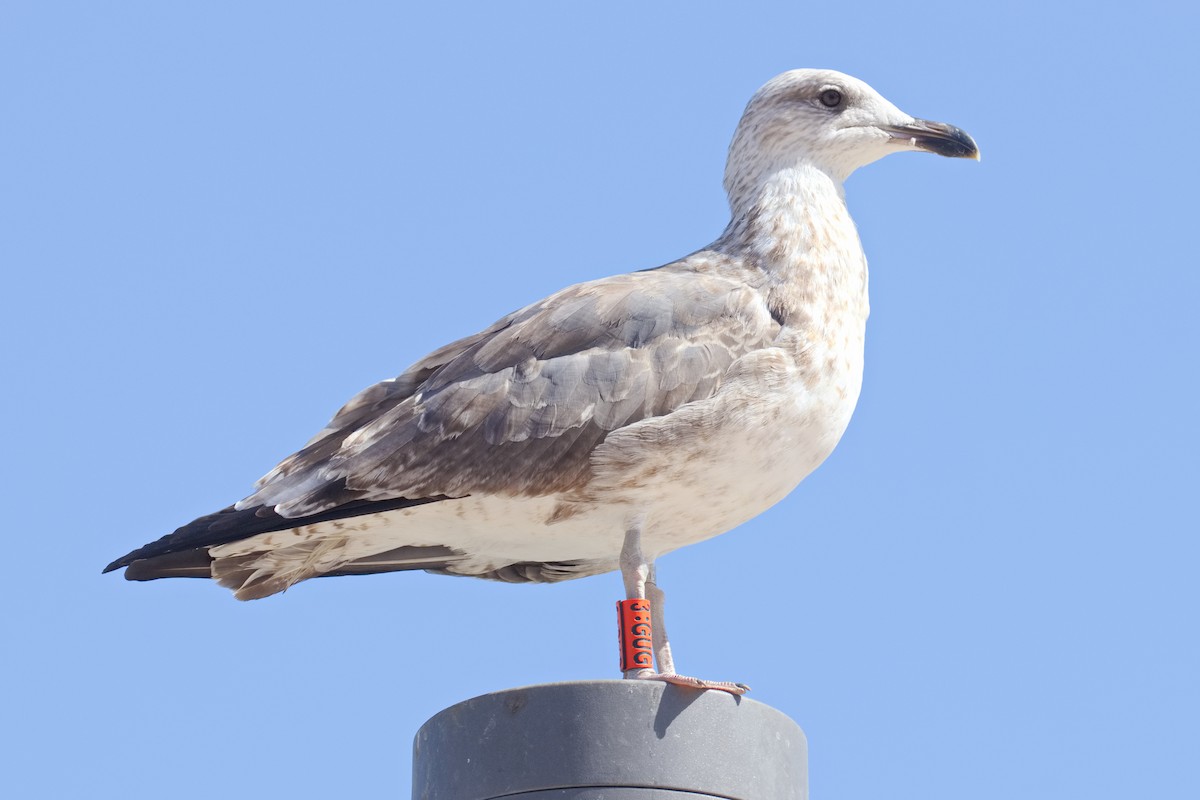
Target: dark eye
{"x": 831, "y": 98}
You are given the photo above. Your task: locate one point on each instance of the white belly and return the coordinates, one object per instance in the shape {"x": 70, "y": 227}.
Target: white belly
{"x": 713, "y": 466}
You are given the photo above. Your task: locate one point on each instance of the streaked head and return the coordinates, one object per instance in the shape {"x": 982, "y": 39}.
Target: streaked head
{"x": 831, "y": 121}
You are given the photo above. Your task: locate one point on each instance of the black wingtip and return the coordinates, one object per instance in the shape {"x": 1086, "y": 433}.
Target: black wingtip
{"x": 197, "y": 533}
{"x": 231, "y": 524}
{"x": 128, "y": 559}
{"x": 120, "y": 562}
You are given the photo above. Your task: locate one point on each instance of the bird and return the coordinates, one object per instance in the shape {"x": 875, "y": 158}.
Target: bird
{"x": 613, "y": 421}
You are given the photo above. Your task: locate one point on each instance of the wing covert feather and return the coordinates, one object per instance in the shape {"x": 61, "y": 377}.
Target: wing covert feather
{"x": 518, "y": 408}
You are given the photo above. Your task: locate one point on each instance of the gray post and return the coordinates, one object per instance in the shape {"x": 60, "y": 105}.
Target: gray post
{"x": 610, "y": 740}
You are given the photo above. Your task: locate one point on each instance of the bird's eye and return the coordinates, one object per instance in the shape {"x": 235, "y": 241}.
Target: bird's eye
{"x": 831, "y": 98}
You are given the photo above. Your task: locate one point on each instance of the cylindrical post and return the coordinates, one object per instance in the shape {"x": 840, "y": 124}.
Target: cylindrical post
{"x": 610, "y": 740}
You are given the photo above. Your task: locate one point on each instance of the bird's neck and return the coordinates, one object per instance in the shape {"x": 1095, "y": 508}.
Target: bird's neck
{"x": 793, "y": 226}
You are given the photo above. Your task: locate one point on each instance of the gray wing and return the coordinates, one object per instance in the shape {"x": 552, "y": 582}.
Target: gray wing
{"x": 518, "y": 408}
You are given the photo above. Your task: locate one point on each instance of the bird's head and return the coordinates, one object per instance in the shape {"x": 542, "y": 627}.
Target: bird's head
{"x": 830, "y": 121}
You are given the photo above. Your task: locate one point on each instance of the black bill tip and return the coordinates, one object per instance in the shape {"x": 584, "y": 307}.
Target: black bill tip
{"x": 936, "y": 137}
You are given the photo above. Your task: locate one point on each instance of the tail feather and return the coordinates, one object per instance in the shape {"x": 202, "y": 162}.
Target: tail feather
{"x": 255, "y": 575}
{"x": 186, "y": 564}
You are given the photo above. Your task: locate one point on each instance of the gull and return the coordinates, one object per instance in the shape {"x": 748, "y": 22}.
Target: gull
{"x": 612, "y": 422}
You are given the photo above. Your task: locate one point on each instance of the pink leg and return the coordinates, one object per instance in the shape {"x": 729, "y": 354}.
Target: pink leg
{"x": 639, "y": 574}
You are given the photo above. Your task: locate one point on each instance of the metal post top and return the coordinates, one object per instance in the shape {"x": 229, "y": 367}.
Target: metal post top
{"x": 634, "y": 739}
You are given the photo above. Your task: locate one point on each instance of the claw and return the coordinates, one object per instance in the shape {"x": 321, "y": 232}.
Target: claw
{"x": 694, "y": 683}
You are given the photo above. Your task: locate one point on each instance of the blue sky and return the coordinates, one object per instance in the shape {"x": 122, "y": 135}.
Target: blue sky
{"x": 220, "y": 220}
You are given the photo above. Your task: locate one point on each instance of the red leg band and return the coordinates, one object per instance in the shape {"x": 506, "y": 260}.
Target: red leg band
{"x": 633, "y": 627}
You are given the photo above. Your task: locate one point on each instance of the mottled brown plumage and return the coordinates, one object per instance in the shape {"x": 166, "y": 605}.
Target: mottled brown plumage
{"x": 613, "y": 421}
